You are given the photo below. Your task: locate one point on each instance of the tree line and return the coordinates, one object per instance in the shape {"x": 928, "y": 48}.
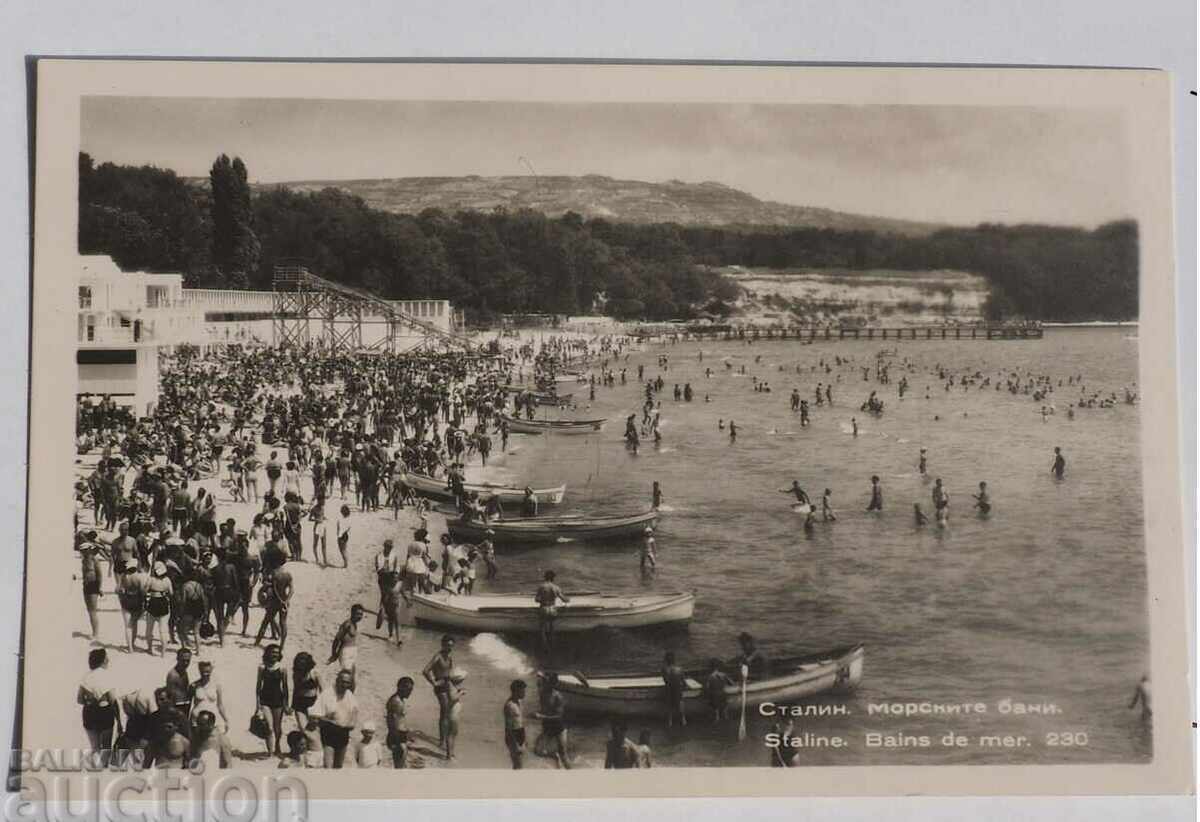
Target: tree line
{"x": 223, "y": 236}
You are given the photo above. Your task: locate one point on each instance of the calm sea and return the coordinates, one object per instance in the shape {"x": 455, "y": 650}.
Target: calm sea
{"x": 1043, "y": 602}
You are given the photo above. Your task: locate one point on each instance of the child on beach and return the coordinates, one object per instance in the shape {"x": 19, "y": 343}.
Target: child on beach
{"x": 645, "y": 754}
{"x": 343, "y": 534}
{"x": 296, "y": 750}
{"x": 313, "y": 753}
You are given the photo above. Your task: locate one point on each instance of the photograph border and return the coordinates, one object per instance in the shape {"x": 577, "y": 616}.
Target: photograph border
{"x": 1144, "y": 97}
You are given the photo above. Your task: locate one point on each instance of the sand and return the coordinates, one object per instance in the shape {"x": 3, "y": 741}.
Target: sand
{"x": 322, "y": 600}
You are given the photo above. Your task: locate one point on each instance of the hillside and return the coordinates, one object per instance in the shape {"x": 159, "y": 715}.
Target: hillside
{"x": 890, "y": 297}
{"x": 705, "y": 204}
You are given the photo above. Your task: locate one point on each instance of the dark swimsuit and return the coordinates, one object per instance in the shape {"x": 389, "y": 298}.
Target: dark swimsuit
{"x": 272, "y": 687}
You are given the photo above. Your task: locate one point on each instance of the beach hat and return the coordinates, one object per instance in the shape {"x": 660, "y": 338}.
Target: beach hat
{"x": 174, "y": 541}
{"x": 369, "y": 725}
{"x": 457, "y": 675}
{"x": 131, "y": 565}
{"x": 88, "y": 546}
{"x": 648, "y": 530}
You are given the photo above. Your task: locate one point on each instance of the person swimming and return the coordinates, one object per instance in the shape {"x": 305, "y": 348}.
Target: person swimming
{"x": 919, "y": 515}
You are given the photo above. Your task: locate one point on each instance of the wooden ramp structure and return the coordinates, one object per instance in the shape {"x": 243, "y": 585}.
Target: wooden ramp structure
{"x": 311, "y": 310}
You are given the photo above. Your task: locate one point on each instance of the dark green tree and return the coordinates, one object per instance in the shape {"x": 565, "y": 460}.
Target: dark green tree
{"x": 235, "y": 246}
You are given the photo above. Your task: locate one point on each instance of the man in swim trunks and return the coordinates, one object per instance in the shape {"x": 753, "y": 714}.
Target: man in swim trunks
{"x": 547, "y": 597}
{"x": 437, "y": 674}
{"x": 275, "y": 597}
{"x": 514, "y": 724}
{"x": 338, "y": 711}
{"x": 397, "y": 721}
{"x": 552, "y": 713}
{"x": 345, "y": 642}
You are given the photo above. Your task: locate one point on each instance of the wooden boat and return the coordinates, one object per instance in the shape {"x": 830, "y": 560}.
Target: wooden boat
{"x": 518, "y": 426}
{"x": 553, "y": 399}
{"x": 551, "y": 529}
{"x": 436, "y": 489}
{"x": 643, "y": 695}
{"x": 518, "y": 613}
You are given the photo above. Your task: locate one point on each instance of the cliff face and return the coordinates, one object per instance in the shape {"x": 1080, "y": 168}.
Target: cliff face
{"x": 880, "y": 297}
{"x": 598, "y": 196}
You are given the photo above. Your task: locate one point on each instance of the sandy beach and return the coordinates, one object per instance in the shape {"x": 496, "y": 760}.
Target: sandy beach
{"x": 322, "y": 599}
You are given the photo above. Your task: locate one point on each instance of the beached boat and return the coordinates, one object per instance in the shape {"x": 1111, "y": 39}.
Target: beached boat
{"x": 644, "y": 695}
{"x": 436, "y": 489}
{"x": 518, "y": 426}
{"x": 518, "y": 613}
{"x": 551, "y": 529}
{"x": 553, "y": 399}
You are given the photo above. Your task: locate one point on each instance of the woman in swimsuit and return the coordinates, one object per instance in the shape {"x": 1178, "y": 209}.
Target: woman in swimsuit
{"x": 271, "y": 691}
{"x": 306, "y": 686}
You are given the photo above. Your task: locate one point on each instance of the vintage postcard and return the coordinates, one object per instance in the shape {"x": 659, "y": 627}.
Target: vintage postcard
{"x": 481, "y": 430}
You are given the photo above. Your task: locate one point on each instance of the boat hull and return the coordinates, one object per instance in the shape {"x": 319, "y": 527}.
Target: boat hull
{"x": 436, "y": 489}
{"x": 644, "y": 695}
{"x": 518, "y": 426}
{"x": 518, "y": 613}
{"x": 552, "y": 529}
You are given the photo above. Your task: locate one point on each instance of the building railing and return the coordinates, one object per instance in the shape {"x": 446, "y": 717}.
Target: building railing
{"x": 228, "y": 299}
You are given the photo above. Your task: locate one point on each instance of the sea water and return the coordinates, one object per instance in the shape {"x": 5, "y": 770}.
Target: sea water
{"x": 1043, "y": 602}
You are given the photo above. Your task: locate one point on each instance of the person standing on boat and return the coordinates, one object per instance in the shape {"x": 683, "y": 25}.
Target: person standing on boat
{"x": 547, "y": 596}
{"x": 529, "y": 505}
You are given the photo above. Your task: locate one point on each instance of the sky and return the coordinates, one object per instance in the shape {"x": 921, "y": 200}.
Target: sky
{"x": 951, "y": 164}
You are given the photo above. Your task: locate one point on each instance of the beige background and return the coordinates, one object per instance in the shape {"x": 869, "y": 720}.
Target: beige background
{"x": 1143, "y": 96}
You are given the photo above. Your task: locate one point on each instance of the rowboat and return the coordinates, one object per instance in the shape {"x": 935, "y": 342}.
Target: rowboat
{"x": 518, "y": 426}
{"x": 436, "y": 489}
{"x": 551, "y": 529}
{"x": 553, "y": 399}
{"x": 644, "y": 695}
{"x": 518, "y": 613}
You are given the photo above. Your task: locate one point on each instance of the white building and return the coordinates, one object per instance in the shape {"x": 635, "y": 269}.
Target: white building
{"x": 125, "y": 319}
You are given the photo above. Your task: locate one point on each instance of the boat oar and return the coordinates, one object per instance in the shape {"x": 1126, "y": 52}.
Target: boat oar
{"x": 742, "y": 721}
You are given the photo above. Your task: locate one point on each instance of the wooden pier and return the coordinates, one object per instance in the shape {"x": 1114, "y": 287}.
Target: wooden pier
{"x": 813, "y": 333}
